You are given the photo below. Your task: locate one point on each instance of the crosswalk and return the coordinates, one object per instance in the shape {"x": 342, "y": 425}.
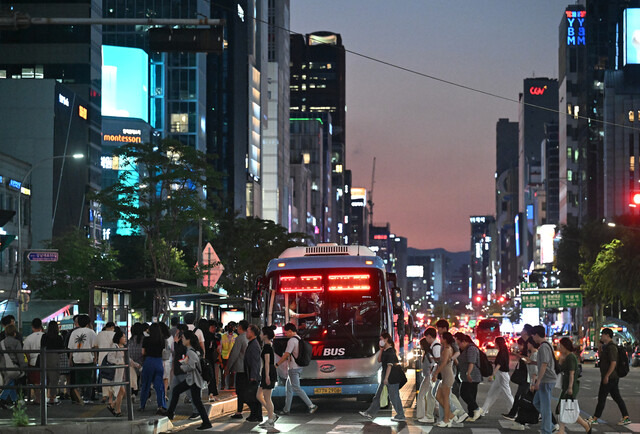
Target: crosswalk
{"x": 350, "y": 424}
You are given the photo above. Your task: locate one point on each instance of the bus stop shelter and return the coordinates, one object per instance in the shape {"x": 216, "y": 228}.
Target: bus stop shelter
{"x": 110, "y": 300}
{"x": 211, "y": 305}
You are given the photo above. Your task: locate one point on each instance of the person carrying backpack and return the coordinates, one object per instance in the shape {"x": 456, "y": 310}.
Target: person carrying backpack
{"x": 468, "y": 365}
{"x": 289, "y": 357}
{"x": 609, "y": 360}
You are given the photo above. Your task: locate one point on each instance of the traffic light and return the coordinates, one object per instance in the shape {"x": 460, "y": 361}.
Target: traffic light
{"x": 5, "y": 240}
{"x": 502, "y": 299}
{"x": 478, "y": 299}
{"x": 635, "y": 199}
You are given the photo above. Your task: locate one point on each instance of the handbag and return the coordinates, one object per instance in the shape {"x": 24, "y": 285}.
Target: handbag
{"x": 397, "y": 376}
{"x": 569, "y": 411}
{"x": 8, "y": 363}
{"x": 384, "y": 397}
{"x": 108, "y": 373}
{"x": 519, "y": 376}
{"x": 527, "y": 412}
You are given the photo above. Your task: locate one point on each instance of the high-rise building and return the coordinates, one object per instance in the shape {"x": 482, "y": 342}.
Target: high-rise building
{"x": 550, "y": 170}
{"x": 57, "y": 187}
{"x": 276, "y": 178}
{"x": 318, "y": 86}
{"x": 70, "y": 55}
{"x": 590, "y": 45}
{"x": 358, "y": 218}
{"x": 506, "y": 201}
{"x": 237, "y": 103}
{"x": 310, "y": 141}
{"x": 482, "y": 278}
{"x": 622, "y": 117}
{"x": 538, "y": 107}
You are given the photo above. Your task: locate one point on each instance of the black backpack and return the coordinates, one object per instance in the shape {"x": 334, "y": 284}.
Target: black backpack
{"x": 304, "y": 353}
{"x": 622, "y": 367}
{"x": 486, "y": 370}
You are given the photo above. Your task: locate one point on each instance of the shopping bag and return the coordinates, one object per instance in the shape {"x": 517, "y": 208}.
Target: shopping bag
{"x": 434, "y": 388}
{"x": 384, "y": 397}
{"x": 569, "y": 411}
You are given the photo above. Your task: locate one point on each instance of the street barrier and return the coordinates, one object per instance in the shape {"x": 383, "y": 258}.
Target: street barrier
{"x": 43, "y": 386}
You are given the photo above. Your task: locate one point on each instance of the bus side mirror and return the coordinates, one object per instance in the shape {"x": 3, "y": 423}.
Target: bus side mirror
{"x": 396, "y": 299}
{"x": 257, "y": 297}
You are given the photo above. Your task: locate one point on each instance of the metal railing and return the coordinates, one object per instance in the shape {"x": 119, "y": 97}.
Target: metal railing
{"x": 44, "y": 386}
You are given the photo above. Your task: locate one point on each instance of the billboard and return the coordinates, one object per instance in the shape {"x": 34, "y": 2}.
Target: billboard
{"x": 546, "y": 235}
{"x": 415, "y": 271}
{"x": 125, "y": 82}
{"x": 631, "y": 32}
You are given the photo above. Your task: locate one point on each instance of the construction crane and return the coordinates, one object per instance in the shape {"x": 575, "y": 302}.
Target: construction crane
{"x": 370, "y": 201}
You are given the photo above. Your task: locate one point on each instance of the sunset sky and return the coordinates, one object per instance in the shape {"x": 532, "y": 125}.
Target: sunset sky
{"x": 434, "y": 143}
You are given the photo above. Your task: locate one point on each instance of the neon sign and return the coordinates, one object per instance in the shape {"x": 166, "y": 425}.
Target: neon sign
{"x": 536, "y": 90}
{"x": 576, "y": 34}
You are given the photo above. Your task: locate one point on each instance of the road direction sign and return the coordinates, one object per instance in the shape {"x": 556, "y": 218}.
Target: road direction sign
{"x": 552, "y": 300}
{"x": 43, "y": 256}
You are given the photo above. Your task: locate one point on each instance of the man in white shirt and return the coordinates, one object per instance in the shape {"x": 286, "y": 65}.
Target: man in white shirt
{"x": 293, "y": 371}
{"x": 189, "y": 320}
{"x": 425, "y": 413}
{"x": 105, "y": 340}
{"x": 32, "y": 342}
{"x": 83, "y": 338}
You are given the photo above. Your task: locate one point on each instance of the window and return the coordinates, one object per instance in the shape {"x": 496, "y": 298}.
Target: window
{"x": 569, "y": 175}
{"x": 631, "y": 116}
{"x": 179, "y": 123}
{"x": 569, "y": 153}
{"x": 306, "y": 158}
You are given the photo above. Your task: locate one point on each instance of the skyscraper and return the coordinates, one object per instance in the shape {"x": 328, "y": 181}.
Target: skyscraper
{"x": 506, "y": 201}
{"x": 237, "y": 105}
{"x": 276, "y": 178}
{"x": 318, "y": 86}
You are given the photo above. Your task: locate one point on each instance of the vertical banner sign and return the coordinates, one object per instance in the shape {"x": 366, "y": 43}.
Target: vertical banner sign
{"x": 576, "y": 34}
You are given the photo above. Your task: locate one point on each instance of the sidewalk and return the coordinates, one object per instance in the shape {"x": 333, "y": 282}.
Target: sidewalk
{"x": 94, "y": 418}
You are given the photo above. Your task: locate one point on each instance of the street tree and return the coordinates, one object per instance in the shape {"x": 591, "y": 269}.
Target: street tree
{"x": 80, "y": 262}
{"x": 160, "y": 197}
{"x": 245, "y": 247}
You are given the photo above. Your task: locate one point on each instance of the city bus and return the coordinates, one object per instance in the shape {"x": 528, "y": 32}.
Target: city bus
{"x": 339, "y": 298}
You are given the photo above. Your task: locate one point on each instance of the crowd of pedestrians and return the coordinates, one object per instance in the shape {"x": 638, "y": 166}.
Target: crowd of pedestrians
{"x": 187, "y": 358}
{"x": 448, "y": 359}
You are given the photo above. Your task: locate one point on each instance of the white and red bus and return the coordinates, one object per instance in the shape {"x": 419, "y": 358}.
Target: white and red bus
{"x": 342, "y": 304}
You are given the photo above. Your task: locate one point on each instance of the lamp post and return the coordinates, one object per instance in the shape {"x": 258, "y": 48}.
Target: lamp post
{"x": 20, "y": 251}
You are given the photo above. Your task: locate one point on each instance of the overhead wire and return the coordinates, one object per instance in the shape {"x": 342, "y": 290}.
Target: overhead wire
{"x": 442, "y": 80}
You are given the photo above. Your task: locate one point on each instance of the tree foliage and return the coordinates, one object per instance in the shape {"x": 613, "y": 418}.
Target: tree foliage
{"x": 160, "y": 197}
{"x": 245, "y": 247}
{"x": 80, "y": 262}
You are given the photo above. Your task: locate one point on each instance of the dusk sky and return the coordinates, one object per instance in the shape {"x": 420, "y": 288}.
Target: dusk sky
{"x": 434, "y": 143}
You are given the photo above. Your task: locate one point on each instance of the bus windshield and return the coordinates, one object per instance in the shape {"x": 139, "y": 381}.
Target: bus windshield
{"x": 328, "y": 303}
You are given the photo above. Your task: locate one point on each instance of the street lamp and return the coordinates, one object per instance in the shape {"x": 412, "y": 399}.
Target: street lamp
{"x": 77, "y": 156}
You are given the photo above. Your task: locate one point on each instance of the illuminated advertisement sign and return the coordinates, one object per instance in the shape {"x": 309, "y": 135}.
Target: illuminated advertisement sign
{"x": 359, "y": 193}
{"x": 516, "y": 224}
{"x": 631, "y": 29}
{"x": 125, "y": 82}
{"x": 415, "y": 271}
{"x": 576, "y": 34}
{"x": 537, "y": 90}
{"x": 478, "y": 220}
{"x": 546, "y": 234}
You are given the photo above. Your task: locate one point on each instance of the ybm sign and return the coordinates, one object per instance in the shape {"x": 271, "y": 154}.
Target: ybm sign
{"x": 576, "y": 34}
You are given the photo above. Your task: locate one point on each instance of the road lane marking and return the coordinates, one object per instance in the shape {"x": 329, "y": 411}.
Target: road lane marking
{"x": 324, "y": 420}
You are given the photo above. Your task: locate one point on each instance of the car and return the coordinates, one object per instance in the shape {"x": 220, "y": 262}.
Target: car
{"x": 589, "y": 354}
{"x": 490, "y": 349}
{"x": 635, "y": 358}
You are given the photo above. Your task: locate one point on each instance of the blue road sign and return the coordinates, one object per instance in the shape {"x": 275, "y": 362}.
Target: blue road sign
{"x": 43, "y": 256}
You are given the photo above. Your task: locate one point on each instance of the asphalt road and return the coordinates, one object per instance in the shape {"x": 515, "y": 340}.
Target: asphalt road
{"x": 341, "y": 415}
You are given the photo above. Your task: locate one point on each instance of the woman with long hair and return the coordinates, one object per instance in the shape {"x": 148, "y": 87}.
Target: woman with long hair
{"x": 210, "y": 353}
{"x": 135, "y": 353}
{"x": 116, "y": 358}
{"x": 166, "y": 362}
{"x": 190, "y": 365}
{"x": 500, "y": 383}
{"x": 445, "y": 369}
{"x": 269, "y": 375}
{"x": 152, "y": 368}
{"x": 568, "y": 363}
{"x": 388, "y": 358}
{"x": 52, "y": 340}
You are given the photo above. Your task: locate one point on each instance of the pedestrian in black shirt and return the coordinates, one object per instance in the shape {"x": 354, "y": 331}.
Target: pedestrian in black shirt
{"x": 500, "y": 383}
{"x": 269, "y": 375}
{"x": 252, "y": 364}
{"x": 153, "y": 369}
{"x": 609, "y": 379}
